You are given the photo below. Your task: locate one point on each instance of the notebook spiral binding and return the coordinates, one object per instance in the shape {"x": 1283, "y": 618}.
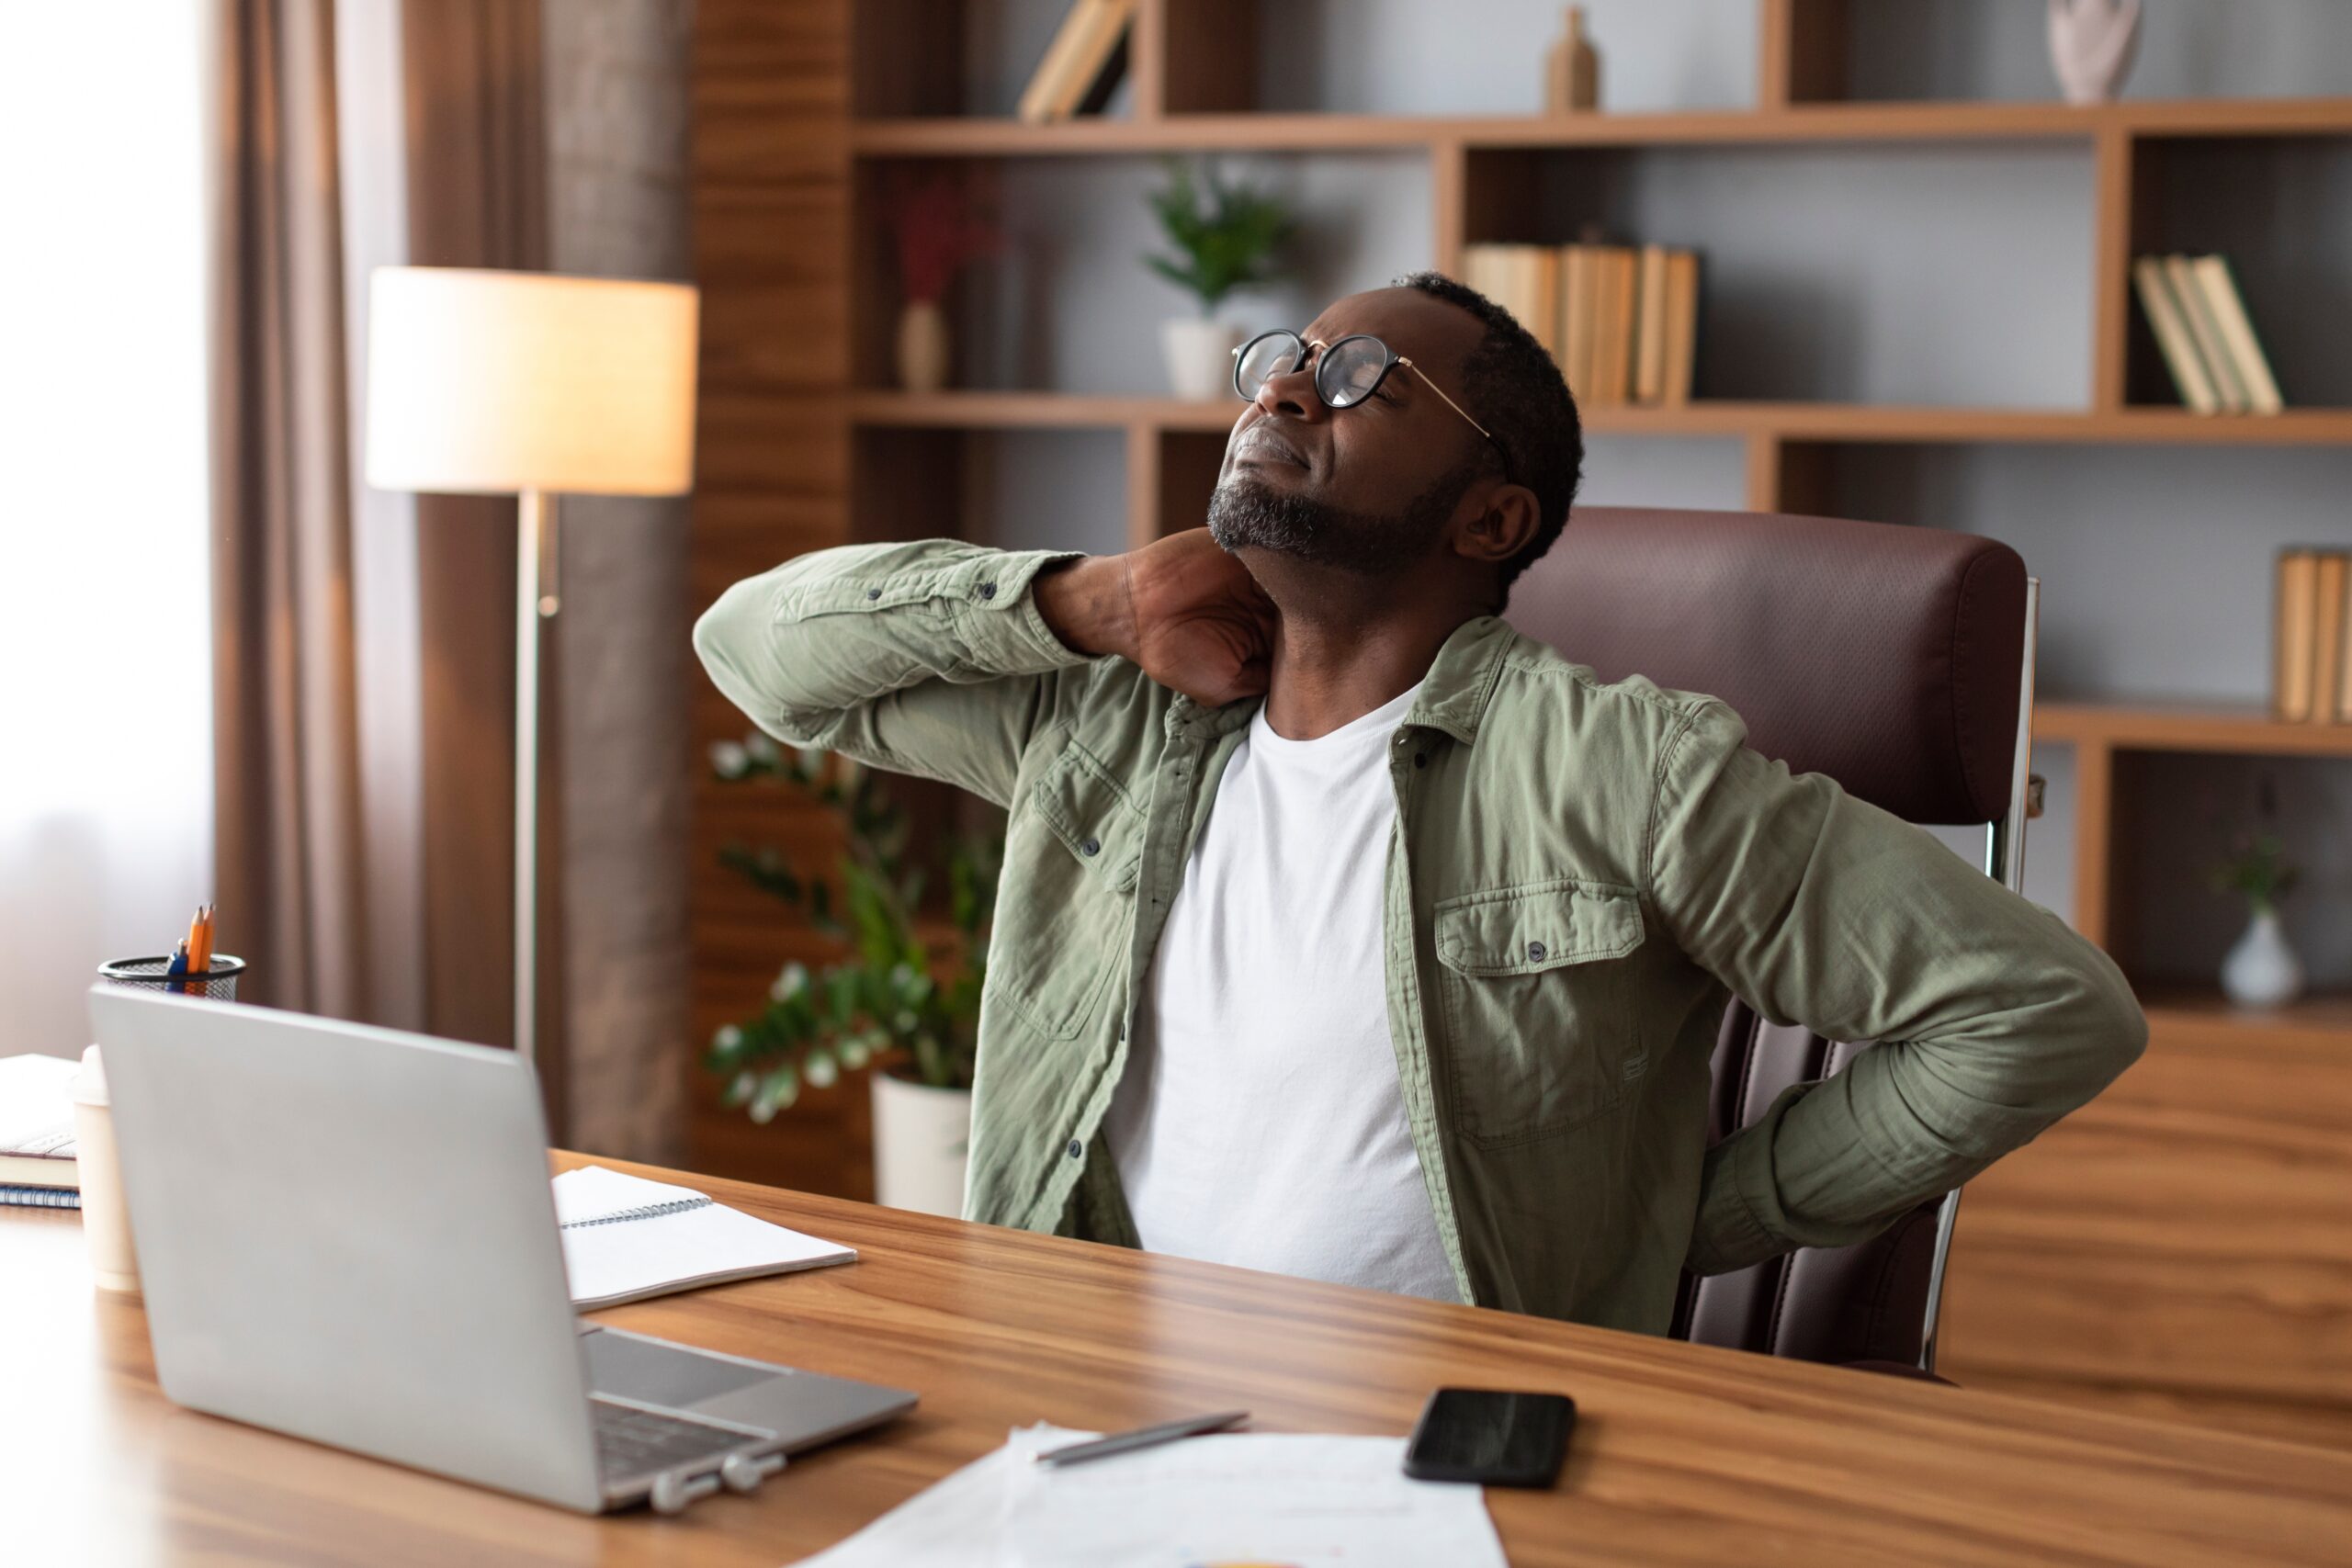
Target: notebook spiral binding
{"x": 15, "y": 1197}
{"x": 644, "y": 1212}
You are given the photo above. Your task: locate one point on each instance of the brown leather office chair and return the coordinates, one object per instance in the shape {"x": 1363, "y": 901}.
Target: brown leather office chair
{"x": 1899, "y": 661}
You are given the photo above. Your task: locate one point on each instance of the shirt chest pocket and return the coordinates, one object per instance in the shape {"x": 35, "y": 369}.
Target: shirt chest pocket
{"x": 1071, "y": 855}
{"x": 1541, "y": 1035}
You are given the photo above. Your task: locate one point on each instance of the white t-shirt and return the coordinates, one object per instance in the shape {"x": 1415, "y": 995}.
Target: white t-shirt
{"x": 1259, "y": 1121}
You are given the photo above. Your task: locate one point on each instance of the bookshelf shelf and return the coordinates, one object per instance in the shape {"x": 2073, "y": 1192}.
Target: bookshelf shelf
{"x": 1793, "y": 422}
{"x": 950, "y": 136}
{"x": 2225, "y": 731}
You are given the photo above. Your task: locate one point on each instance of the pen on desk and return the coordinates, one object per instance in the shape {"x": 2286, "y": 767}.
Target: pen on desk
{"x": 1141, "y": 1437}
{"x": 176, "y": 972}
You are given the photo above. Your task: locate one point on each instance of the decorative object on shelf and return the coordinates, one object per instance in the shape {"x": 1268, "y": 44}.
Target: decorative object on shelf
{"x": 940, "y": 228}
{"x": 1226, "y": 237}
{"x": 897, "y": 997}
{"x": 1572, "y": 70}
{"x": 2262, "y": 970}
{"x": 2310, "y": 678}
{"x": 1621, "y": 322}
{"x": 1082, "y": 66}
{"x": 2091, "y": 46}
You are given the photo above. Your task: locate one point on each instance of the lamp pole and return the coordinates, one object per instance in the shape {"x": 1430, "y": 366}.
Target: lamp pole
{"x": 534, "y": 531}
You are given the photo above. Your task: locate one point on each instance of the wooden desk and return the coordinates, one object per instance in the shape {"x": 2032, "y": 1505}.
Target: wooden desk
{"x": 1684, "y": 1455}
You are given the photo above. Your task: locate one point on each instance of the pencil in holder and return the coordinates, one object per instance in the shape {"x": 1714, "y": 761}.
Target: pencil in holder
{"x": 217, "y": 980}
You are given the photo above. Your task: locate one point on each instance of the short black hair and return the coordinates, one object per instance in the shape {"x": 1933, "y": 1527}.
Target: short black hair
{"x": 1510, "y": 384}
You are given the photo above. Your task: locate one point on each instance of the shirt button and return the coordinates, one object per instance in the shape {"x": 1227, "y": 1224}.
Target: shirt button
{"x": 1075, "y": 1149}
{"x": 874, "y": 593}
{"x": 1090, "y": 847}
{"x": 1535, "y": 953}
{"x": 988, "y": 590}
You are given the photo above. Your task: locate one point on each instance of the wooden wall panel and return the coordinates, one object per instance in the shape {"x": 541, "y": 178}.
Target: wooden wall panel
{"x": 771, "y": 206}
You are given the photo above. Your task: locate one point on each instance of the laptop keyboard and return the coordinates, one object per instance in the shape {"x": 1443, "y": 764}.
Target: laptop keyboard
{"x": 631, "y": 1442}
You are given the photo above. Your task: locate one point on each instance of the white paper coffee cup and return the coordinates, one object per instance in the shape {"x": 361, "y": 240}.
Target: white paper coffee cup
{"x": 105, "y": 1221}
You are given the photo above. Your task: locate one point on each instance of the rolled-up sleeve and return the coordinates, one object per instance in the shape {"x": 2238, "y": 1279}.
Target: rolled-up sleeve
{"x": 929, "y": 658}
{"x": 1994, "y": 1019}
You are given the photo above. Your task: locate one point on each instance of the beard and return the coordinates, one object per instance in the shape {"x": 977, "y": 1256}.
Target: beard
{"x": 1248, "y": 511}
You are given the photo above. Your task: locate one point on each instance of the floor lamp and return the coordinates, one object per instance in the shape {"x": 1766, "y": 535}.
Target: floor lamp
{"x": 524, "y": 384}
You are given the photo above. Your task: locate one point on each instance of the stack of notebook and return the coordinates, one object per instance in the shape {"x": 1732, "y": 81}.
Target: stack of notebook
{"x": 37, "y": 1167}
{"x": 2201, "y": 328}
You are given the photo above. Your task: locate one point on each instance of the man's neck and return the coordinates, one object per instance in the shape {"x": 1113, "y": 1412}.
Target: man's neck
{"x": 1335, "y": 663}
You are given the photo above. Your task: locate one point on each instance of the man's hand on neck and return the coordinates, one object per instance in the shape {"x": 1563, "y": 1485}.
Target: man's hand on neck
{"x": 1197, "y": 621}
{"x": 1180, "y": 607}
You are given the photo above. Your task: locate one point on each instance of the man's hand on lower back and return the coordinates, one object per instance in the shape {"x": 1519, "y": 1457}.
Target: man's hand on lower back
{"x": 1180, "y": 607}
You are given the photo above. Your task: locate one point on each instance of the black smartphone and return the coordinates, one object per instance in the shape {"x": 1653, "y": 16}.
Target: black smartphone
{"x": 1491, "y": 1437}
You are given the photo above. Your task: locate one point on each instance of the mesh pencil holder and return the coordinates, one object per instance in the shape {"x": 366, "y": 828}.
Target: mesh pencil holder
{"x": 219, "y": 981}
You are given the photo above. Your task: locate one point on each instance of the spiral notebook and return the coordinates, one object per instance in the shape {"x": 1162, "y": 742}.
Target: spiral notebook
{"x": 625, "y": 1238}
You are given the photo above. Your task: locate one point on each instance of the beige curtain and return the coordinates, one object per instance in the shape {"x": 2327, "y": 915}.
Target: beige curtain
{"x": 365, "y": 728}
{"x": 333, "y": 918}
{"x": 286, "y": 736}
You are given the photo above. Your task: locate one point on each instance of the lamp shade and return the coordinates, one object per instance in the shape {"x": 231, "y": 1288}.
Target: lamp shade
{"x": 497, "y": 382}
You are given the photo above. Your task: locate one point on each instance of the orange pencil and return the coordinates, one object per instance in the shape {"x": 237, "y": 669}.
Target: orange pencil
{"x": 194, "y": 946}
{"x": 201, "y": 963}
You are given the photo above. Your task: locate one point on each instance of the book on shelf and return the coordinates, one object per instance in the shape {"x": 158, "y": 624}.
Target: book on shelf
{"x": 1083, "y": 63}
{"x": 1681, "y": 326}
{"x": 2227, "y": 307}
{"x": 2227, "y": 390}
{"x": 1620, "y": 321}
{"x": 2328, "y": 636}
{"x": 1575, "y": 357}
{"x": 2166, "y": 320}
{"x": 2201, "y": 328}
{"x": 1649, "y": 339}
{"x": 2312, "y": 672}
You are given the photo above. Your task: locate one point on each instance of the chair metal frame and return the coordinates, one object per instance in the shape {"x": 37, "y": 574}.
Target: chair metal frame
{"x": 2004, "y": 863}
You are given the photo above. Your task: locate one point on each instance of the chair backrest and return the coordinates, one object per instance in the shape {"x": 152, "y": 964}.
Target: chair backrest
{"x": 1890, "y": 660}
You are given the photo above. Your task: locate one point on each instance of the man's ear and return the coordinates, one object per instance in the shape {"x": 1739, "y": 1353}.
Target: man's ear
{"x": 1498, "y": 524}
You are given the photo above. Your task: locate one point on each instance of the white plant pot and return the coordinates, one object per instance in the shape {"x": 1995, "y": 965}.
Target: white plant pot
{"x": 922, "y": 1141}
{"x": 2262, "y": 970}
{"x": 1200, "y": 355}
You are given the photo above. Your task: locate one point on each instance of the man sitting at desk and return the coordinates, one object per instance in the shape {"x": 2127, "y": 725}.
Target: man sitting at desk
{"x": 1348, "y": 933}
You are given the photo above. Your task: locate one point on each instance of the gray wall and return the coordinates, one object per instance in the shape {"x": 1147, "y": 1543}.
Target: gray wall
{"x": 1930, "y": 275}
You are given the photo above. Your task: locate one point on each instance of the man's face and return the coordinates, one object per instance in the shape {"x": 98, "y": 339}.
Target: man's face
{"x": 1367, "y": 489}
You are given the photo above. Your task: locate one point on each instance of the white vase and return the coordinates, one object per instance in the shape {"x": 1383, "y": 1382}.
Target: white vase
{"x": 922, "y": 1141}
{"x": 922, "y": 346}
{"x": 2091, "y": 46}
{"x": 1200, "y": 355}
{"x": 2262, "y": 970}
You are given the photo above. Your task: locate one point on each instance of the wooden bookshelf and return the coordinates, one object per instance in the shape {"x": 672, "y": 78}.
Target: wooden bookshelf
{"x": 804, "y": 441}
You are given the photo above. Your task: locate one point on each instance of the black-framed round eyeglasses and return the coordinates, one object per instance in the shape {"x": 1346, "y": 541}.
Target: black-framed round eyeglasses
{"x": 1346, "y": 372}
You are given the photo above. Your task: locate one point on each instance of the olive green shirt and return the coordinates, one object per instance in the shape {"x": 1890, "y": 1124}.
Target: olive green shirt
{"x": 1581, "y": 875}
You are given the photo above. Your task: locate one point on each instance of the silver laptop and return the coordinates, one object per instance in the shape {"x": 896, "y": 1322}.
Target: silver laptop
{"x": 345, "y": 1234}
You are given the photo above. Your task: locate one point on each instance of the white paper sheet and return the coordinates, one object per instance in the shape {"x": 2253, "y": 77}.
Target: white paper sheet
{"x": 631, "y": 1260}
{"x": 1317, "y": 1501}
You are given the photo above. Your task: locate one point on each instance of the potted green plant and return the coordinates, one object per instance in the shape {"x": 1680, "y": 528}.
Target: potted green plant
{"x": 905, "y": 992}
{"x": 2262, "y": 969}
{"x": 1224, "y": 237}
